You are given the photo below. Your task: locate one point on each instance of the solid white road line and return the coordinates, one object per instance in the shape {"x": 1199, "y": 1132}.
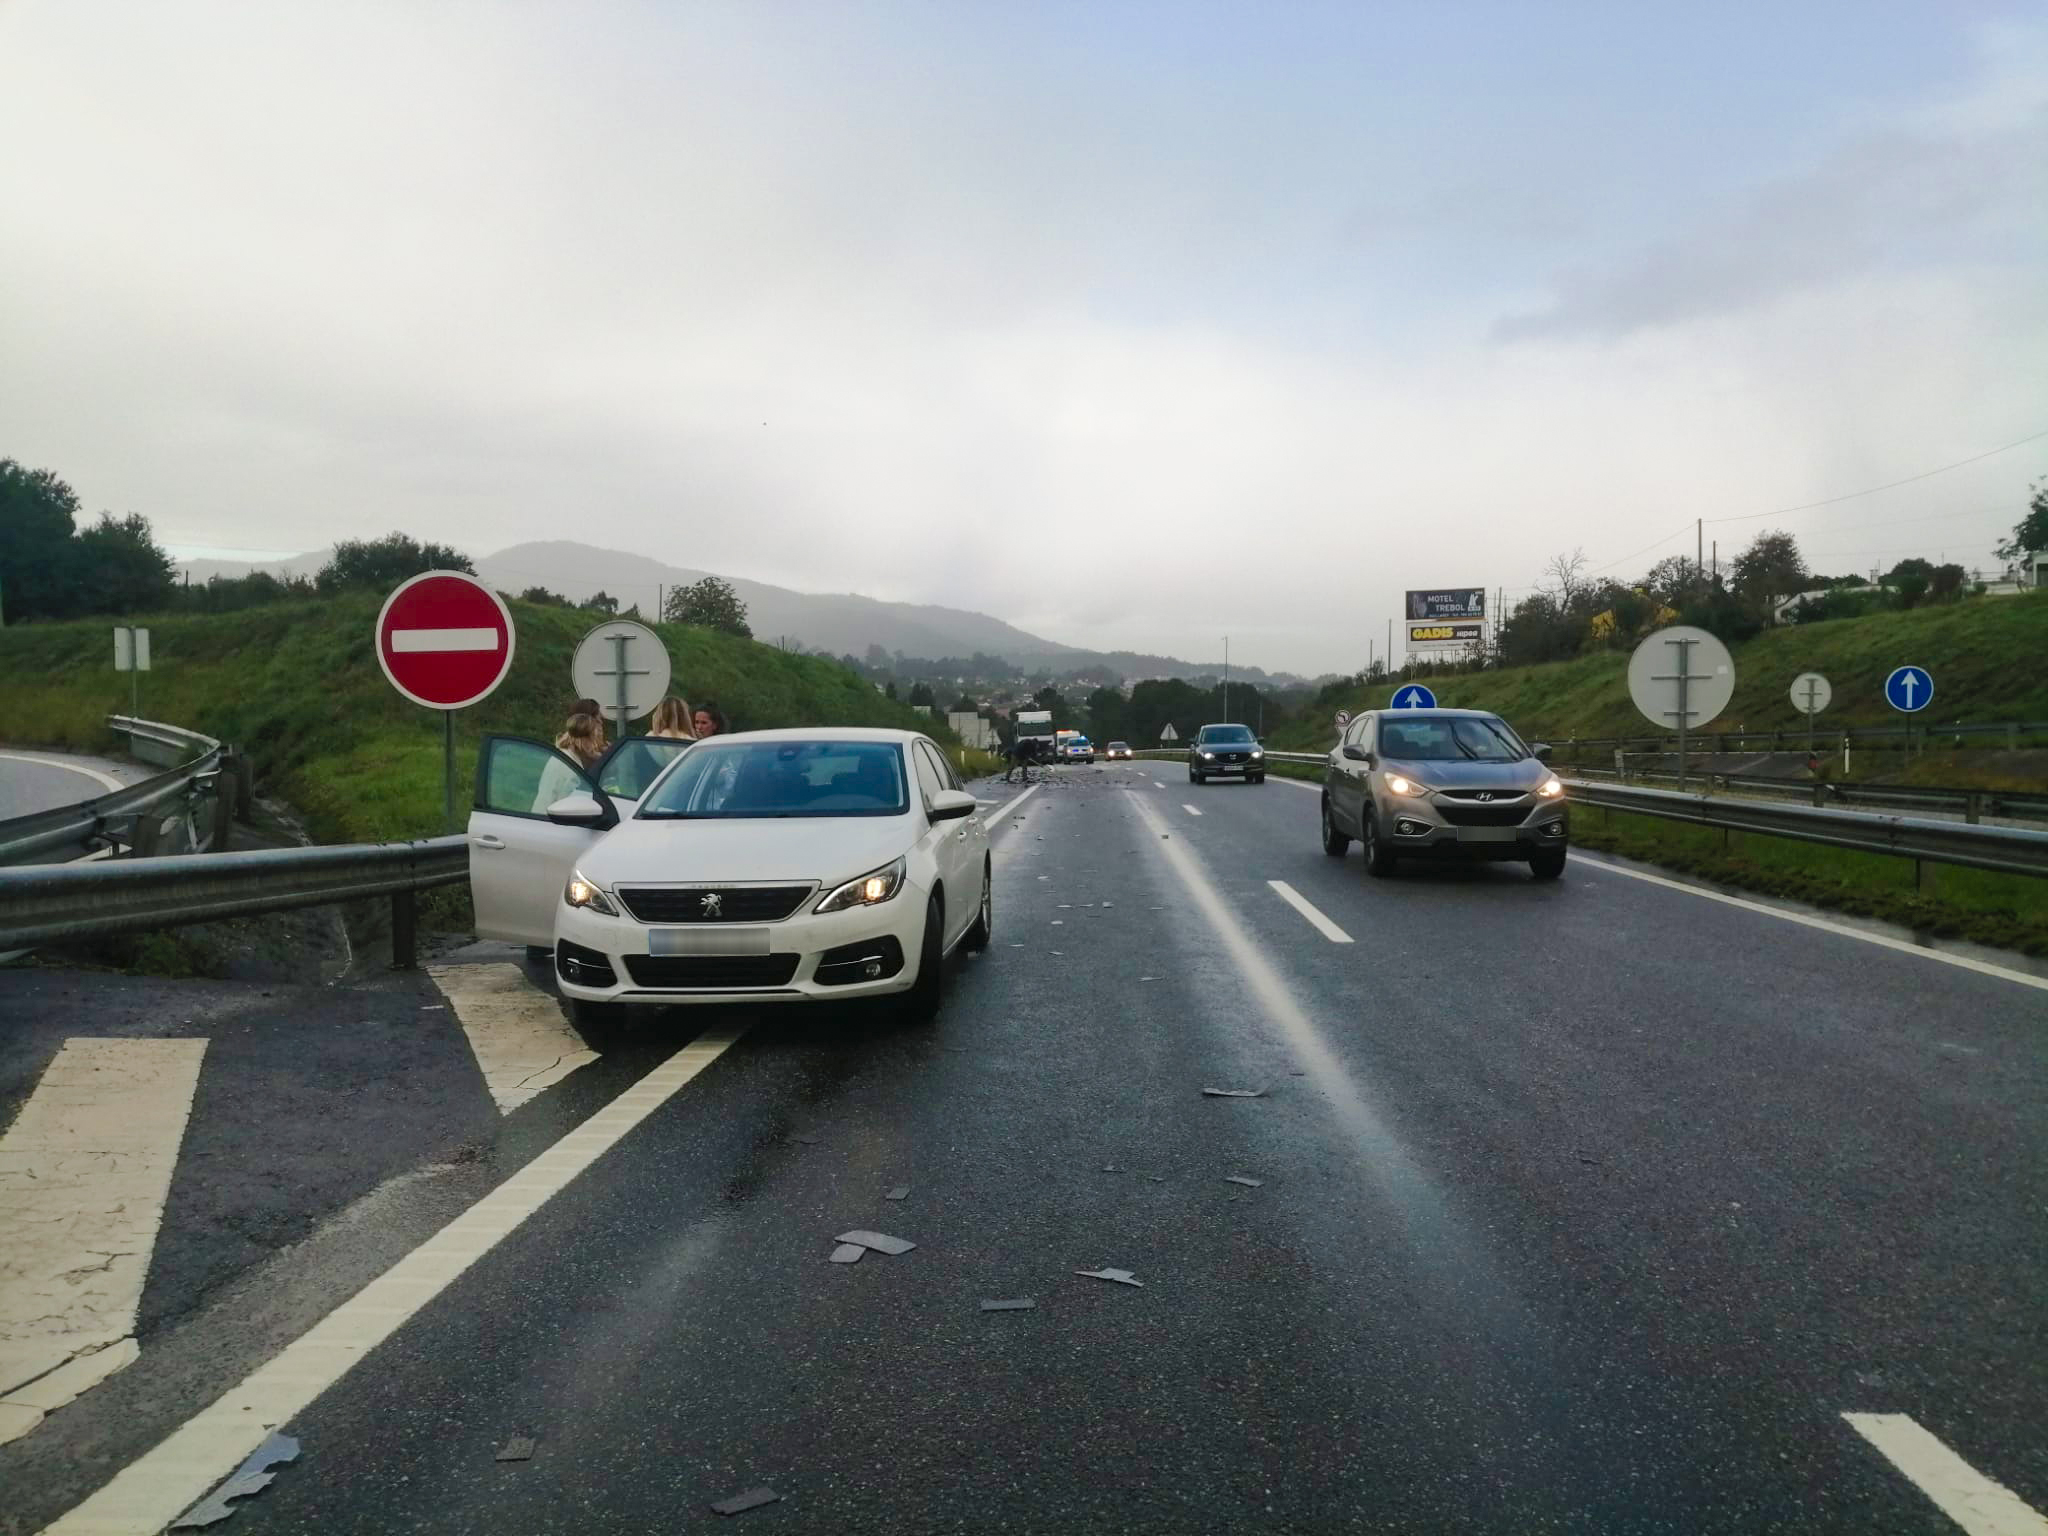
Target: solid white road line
{"x": 1982, "y": 967}
{"x": 1189, "y": 809}
{"x": 1959, "y": 1490}
{"x": 989, "y": 821}
{"x": 1301, "y": 904}
{"x": 445, "y": 640}
{"x": 516, "y": 1031}
{"x": 1309, "y": 785}
{"x": 154, "y": 1489}
{"x": 84, "y": 1173}
{"x": 105, "y": 779}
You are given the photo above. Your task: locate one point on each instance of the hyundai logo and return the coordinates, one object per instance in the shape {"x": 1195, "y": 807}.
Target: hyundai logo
{"x": 1484, "y": 794}
{"x": 711, "y": 904}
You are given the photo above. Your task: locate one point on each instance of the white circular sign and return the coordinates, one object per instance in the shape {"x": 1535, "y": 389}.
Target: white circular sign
{"x": 1343, "y": 718}
{"x": 596, "y": 668}
{"x": 1810, "y": 693}
{"x": 1654, "y": 677}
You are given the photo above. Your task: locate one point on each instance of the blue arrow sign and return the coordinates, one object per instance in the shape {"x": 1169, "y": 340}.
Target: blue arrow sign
{"x": 1910, "y": 689}
{"x": 1414, "y": 696}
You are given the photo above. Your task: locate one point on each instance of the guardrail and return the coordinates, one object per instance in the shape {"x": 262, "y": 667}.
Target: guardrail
{"x": 132, "y": 819}
{"x": 1793, "y": 738}
{"x": 44, "y": 902}
{"x": 1975, "y": 804}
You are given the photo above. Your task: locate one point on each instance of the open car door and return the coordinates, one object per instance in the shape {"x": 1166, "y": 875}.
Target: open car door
{"x": 519, "y": 859}
{"x": 633, "y": 763}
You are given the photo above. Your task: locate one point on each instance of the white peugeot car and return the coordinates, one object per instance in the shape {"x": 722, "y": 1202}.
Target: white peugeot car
{"x": 761, "y": 867}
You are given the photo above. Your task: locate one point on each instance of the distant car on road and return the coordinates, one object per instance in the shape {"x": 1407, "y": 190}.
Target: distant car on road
{"x": 1078, "y": 749}
{"x": 767, "y": 866}
{"x": 1226, "y": 752}
{"x": 1443, "y": 783}
{"x": 1117, "y": 749}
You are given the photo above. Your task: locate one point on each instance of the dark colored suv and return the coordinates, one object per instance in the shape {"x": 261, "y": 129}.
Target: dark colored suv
{"x": 1443, "y": 783}
{"x": 1226, "y": 752}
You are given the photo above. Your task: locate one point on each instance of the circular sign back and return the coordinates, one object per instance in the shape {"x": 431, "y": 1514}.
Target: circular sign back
{"x": 444, "y": 639}
{"x": 1810, "y": 693}
{"x": 1653, "y": 677}
{"x": 595, "y": 669}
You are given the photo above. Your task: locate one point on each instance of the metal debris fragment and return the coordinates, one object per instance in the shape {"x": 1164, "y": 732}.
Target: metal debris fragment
{"x": 900, "y": 1192}
{"x": 1119, "y": 1276}
{"x": 518, "y": 1448}
{"x": 740, "y": 1503}
{"x": 1238, "y": 1178}
{"x": 1021, "y": 1304}
{"x": 805, "y": 1140}
{"x": 847, "y": 1253}
{"x": 1234, "y": 1093}
{"x": 881, "y": 1242}
{"x": 250, "y": 1477}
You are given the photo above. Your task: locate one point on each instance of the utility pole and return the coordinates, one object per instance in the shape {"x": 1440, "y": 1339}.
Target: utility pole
{"x": 1717, "y": 562}
{"x": 1226, "y": 677}
{"x": 660, "y": 589}
{"x": 1390, "y": 647}
{"x": 1699, "y": 532}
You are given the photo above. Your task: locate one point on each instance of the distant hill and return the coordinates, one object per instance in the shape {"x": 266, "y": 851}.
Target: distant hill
{"x": 840, "y": 623}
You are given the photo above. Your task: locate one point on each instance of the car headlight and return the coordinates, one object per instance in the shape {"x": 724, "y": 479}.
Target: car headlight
{"x": 1258, "y": 751}
{"x": 868, "y": 890}
{"x": 1208, "y": 754}
{"x": 1401, "y": 786}
{"x": 579, "y": 892}
{"x": 1550, "y": 789}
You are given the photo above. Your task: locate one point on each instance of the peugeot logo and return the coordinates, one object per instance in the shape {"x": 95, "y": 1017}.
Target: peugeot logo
{"x": 711, "y": 904}
{"x": 1484, "y": 794}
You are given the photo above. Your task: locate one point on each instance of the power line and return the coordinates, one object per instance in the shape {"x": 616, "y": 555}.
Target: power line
{"x": 1610, "y": 565}
{"x": 1750, "y": 517}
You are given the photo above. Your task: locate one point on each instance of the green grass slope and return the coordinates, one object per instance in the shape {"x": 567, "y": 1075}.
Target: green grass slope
{"x": 298, "y": 686}
{"x": 1988, "y": 656}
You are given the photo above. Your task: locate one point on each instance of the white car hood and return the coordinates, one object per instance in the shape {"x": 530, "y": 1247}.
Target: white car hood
{"x": 828, "y": 849}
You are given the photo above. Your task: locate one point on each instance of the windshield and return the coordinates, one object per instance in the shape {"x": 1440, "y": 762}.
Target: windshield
{"x": 1451, "y": 739}
{"x": 781, "y": 779}
{"x": 1226, "y": 733}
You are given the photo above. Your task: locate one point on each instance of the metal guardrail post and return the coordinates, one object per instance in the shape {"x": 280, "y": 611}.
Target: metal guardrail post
{"x": 1973, "y": 809}
{"x": 404, "y": 930}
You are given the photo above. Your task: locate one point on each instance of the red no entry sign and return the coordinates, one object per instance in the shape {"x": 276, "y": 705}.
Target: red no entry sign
{"x": 444, "y": 640}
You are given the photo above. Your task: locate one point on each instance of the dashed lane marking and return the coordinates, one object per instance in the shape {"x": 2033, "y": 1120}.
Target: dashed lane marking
{"x": 155, "y": 1488}
{"x": 1157, "y": 785}
{"x": 516, "y": 1031}
{"x": 1977, "y": 1504}
{"x": 1301, "y": 904}
{"x": 84, "y": 1173}
{"x": 1189, "y": 809}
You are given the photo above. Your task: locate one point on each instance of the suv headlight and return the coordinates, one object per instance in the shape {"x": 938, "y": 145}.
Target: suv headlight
{"x": 1550, "y": 788}
{"x": 1207, "y": 753}
{"x": 1258, "y": 751}
{"x": 1401, "y": 786}
{"x": 579, "y": 892}
{"x": 868, "y": 890}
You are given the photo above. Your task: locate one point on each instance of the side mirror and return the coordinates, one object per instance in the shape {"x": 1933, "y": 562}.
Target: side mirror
{"x": 581, "y": 810}
{"x": 1542, "y": 750}
{"x": 1356, "y": 753}
{"x": 951, "y": 805}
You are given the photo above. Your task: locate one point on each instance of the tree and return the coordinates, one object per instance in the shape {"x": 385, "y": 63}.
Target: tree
{"x": 710, "y": 604}
{"x": 1675, "y": 580}
{"x": 1048, "y": 697}
{"x": 1910, "y": 570}
{"x": 120, "y": 567}
{"x": 600, "y": 601}
{"x": 1108, "y": 715}
{"x": 386, "y": 562}
{"x": 1771, "y": 567}
{"x": 2030, "y": 533}
{"x": 544, "y": 596}
{"x": 1946, "y": 584}
{"x": 921, "y": 693}
{"x": 1564, "y": 578}
{"x": 37, "y": 571}
{"x": 964, "y": 705}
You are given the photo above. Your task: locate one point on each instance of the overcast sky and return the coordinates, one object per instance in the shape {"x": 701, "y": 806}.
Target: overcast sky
{"x": 1132, "y": 324}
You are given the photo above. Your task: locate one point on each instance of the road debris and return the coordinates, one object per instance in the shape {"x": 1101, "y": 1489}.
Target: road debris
{"x": 881, "y": 1242}
{"x": 518, "y": 1448}
{"x": 1118, "y": 1276}
{"x": 250, "y": 1477}
{"x": 847, "y": 1253}
{"x": 740, "y": 1503}
{"x": 1238, "y": 1178}
{"x": 1022, "y": 1304}
{"x": 1234, "y": 1093}
{"x": 900, "y": 1192}
{"x": 804, "y": 1140}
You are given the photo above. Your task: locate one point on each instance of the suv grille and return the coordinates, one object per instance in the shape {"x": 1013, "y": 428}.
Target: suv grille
{"x": 711, "y": 973}
{"x": 1464, "y": 813}
{"x": 736, "y": 903}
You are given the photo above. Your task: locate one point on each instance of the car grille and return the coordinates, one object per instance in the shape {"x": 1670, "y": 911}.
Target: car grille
{"x": 1466, "y": 813}
{"x": 710, "y": 973}
{"x": 1231, "y": 757}
{"x": 736, "y": 903}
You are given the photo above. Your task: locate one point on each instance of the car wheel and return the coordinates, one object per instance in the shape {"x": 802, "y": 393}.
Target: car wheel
{"x": 1334, "y": 842}
{"x": 923, "y": 997}
{"x": 985, "y": 921}
{"x": 591, "y": 1015}
{"x": 1258, "y": 778}
{"x": 1194, "y": 777}
{"x": 1547, "y": 866}
{"x": 1379, "y": 858}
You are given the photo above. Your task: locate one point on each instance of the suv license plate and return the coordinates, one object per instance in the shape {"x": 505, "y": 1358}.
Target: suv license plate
{"x": 708, "y": 940}
{"x": 1486, "y": 834}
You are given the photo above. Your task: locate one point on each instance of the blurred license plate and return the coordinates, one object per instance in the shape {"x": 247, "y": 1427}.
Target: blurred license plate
{"x": 710, "y": 940}
{"x": 1486, "y": 834}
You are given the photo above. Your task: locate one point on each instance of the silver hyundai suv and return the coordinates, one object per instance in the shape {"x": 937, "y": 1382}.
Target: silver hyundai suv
{"x": 1443, "y": 783}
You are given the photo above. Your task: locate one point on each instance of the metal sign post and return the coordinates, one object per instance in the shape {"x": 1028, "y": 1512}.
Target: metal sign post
{"x": 131, "y": 655}
{"x": 625, "y": 666}
{"x": 1810, "y": 695}
{"x": 1693, "y": 694}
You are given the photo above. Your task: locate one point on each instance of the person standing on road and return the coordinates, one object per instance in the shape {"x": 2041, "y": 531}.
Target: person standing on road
{"x": 595, "y": 710}
{"x": 709, "y": 720}
{"x": 672, "y": 720}
{"x": 582, "y": 742}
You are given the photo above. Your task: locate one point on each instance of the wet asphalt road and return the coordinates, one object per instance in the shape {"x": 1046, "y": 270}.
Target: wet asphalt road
{"x": 40, "y": 781}
{"x": 1583, "y": 1206}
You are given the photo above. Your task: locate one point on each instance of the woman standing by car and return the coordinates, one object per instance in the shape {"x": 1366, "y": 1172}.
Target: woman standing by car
{"x": 582, "y": 742}
{"x": 672, "y": 720}
{"x": 709, "y": 721}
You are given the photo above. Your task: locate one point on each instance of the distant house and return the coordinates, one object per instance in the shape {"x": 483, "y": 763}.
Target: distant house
{"x": 1781, "y": 609}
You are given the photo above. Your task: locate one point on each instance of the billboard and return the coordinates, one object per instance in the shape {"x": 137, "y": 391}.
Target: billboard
{"x": 1446, "y": 618}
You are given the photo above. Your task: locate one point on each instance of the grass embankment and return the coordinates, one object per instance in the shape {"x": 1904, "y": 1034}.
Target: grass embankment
{"x": 297, "y": 685}
{"x": 1986, "y": 656}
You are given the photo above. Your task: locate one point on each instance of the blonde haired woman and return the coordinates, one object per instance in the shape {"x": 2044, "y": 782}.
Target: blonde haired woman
{"x": 672, "y": 720}
{"x": 582, "y": 742}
